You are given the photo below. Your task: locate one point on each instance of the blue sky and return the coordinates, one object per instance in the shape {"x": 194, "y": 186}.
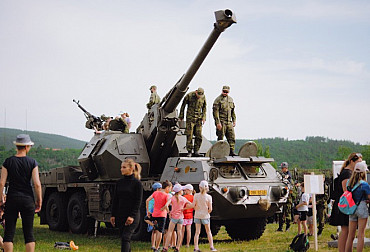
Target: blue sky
{"x": 296, "y": 68}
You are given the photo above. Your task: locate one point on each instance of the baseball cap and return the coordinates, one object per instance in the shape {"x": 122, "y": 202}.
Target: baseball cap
{"x": 188, "y": 187}
{"x": 23, "y": 140}
{"x": 156, "y": 185}
{"x": 203, "y": 184}
{"x": 200, "y": 91}
{"x": 284, "y": 165}
{"x": 177, "y": 188}
{"x": 360, "y": 167}
{"x": 153, "y": 86}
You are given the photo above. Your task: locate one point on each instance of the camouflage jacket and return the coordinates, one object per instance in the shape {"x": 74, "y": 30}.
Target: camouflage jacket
{"x": 154, "y": 99}
{"x": 197, "y": 107}
{"x": 224, "y": 109}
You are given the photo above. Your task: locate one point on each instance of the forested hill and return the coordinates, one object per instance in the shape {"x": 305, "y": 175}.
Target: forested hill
{"x": 310, "y": 153}
{"x": 7, "y": 136}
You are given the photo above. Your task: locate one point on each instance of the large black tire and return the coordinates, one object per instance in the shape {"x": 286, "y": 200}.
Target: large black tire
{"x": 77, "y": 212}
{"x": 141, "y": 233}
{"x": 246, "y": 229}
{"x": 56, "y": 212}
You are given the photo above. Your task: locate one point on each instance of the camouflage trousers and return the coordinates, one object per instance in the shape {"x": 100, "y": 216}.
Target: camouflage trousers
{"x": 285, "y": 216}
{"x": 321, "y": 213}
{"x": 228, "y": 131}
{"x": 193, "y": 128}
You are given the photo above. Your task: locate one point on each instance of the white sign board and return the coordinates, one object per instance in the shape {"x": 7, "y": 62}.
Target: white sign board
{"x": 314, "y": 184}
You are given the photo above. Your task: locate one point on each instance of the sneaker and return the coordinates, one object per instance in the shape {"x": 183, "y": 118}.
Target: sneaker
{"x": 334, "y": 236}
{"x": 189, "y": 154}
{"x": 196, "y": 154}
{"x": 196, "y": 250}
{"x": 187, "y": 246}
{"x": 213, "y": 249}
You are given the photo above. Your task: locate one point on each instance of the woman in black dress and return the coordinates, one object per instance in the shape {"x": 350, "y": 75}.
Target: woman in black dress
{"x": 338, "y": 218}
{"x": 127, "y": 201}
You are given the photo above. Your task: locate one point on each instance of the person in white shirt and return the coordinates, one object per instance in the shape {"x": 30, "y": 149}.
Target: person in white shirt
{"x": 302, "y": 209}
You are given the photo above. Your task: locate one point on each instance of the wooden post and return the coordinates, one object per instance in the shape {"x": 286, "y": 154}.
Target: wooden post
{"x": 314, "y": 218}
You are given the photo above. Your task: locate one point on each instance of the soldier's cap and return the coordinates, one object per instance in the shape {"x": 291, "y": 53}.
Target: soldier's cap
{"x": 226, "y": 88}
{"x": 104, "y": 117}
{"x": 200, "y": 91}
{"x": 360, "y": 167}
{"x": 23, "y": 140}
{"x": 284, "y": 165}
{"x": 153, "y": 86}
{"x": 156, "y": 185}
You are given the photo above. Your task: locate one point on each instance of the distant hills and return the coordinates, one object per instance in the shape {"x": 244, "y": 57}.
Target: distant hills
{"x": 7, "y": 136}
{"x": 314, "y": 152}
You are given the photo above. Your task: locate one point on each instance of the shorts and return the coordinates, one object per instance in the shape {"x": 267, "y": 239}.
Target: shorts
{"x": 310, "y": 220}
{"x": 310, "y": 212}
{"x": 202, "y": 221}
{"x": 302, "y": 215}
{"x": 361, "y": 212}
{"x": 160, "y": 223}
{"x": 188, "y": 222}
{"x": 177, "y": 221}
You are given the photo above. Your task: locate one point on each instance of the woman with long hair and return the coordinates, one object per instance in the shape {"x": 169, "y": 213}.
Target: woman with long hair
{"x": 127, "y": 201}
{"x": 359, "y": 218}
{"x": 338, "y": 218}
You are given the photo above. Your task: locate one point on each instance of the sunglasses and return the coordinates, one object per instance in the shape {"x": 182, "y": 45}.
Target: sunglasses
{"x": 225, "y": 91}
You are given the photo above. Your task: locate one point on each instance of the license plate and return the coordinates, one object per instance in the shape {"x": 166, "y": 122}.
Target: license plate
{"x": 257, "y": 192}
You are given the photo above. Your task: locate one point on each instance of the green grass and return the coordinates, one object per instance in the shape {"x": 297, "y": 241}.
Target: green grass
{"x": 270, "y": 240}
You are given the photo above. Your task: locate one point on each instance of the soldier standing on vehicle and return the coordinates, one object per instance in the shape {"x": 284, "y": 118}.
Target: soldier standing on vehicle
{"x": 321, "y": 206}
{"x": 154, "y": 97}
{"x": 195, "y": 118}
{"x": 286, "y": 215}
{"x": 225, "y": 118}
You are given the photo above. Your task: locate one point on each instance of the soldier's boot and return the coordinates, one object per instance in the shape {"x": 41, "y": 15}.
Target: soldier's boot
{"x": 287, "y": 227}
{"x": 320, "y": 231}
{"x": 196, "y": 154}
{"x": 232, "y": 153}
{"x": 189, "y": 154}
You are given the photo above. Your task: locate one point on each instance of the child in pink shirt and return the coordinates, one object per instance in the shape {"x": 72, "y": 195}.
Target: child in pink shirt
{"x": 178, "y": 203}
{"x": 159, "y": 213}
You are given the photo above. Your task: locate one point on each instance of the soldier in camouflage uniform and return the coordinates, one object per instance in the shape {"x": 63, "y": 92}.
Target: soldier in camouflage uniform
{"x": 154, "y": 97}
{"x": 321, "y": 206}
{"x": 195, "y": 118}
{"x": 286, "y": 215}
{"x": 225, "y": 118}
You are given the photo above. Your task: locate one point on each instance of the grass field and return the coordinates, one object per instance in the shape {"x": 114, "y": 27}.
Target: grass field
{"x": 270, "y": 241}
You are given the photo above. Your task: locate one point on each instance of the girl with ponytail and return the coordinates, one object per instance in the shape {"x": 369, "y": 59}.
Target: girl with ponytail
{"x": 127, "y": 201}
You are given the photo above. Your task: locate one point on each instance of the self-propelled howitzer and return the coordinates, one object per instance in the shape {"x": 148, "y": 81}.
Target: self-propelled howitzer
{"x": 245, "y": 188}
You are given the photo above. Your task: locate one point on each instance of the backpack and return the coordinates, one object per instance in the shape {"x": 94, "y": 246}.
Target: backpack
{"x": 346, "y": 203}
{"x": 300, "y": 243}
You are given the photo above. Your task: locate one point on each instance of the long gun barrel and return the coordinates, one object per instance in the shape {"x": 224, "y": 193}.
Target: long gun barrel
{"x": 224, "y": 19}
{"x": 160, "y": 139}
{"x": 92, "y": 121}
